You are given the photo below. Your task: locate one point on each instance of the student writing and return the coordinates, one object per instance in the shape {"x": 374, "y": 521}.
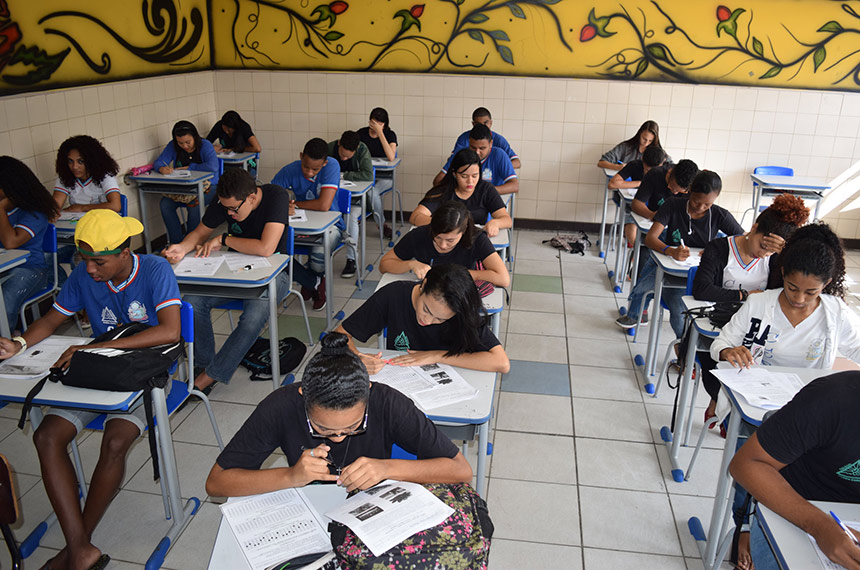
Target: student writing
{"x": 632, "y": 149}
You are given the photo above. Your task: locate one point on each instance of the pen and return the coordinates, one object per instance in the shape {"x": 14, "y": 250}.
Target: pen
{"x": 845, "y": 528}
{"x": 326, "y": 459}
{"x": 682, "y": 243}
{"x": 757, "y": 352}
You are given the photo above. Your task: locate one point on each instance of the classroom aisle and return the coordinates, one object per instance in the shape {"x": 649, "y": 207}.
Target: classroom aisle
{"x": 577, "y": 479}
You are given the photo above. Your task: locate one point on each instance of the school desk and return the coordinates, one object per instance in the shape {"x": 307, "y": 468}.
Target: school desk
{"x": 239, "y": 159}
{"x": 9, "y": 258}
{"x": 359, "y": 189}
{"x": 625, "y": 198}
{"x": 804, "y": 187}
{"x": 600, "y": 240}
{"x": 310, "y": 233}
{"x": 382, "y": 165}
{"x": 154, "y": 183}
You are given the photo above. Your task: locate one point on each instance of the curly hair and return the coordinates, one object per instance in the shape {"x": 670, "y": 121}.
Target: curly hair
{"x": 24, "y": 190}
{"x": 816, "y": 250}
{"x": 97, "y": 159}
{"x": 783, "y": 216}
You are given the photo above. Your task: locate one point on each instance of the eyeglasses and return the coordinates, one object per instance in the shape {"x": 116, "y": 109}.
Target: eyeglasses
{"x": 236, "y": 209}
{"x": 314, "y": 433}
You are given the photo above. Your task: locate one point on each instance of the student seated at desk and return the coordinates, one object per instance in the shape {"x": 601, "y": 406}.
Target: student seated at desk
{"x": 735, "y": 267}
{"x": 114, "y": 286}
{"x": 630, "y": 177}
{"x": 463, "y": 183}
{"x": 86, "y": 176}
{"x": 26, "y": 209}
{"x": 687, "y": 223}
{"x": 355, "y": 164}
{"x": 437, "y": 320}
{"x": 482, "y": 116}
{"x": 381, "y": 141}
{"x": 496, "y": 166}
{"x": 257, "y": 218}
{"x": 315, "y": 180}
{"x": 451, "y": 237}
{"x": 336, "y": 426}
{"x": 648, "y": 135}
{"x": 661, "y": 183}
{"x": 186, "y": 151}
{"x": 807, "y": 451}
{"x": 232, "y": 133}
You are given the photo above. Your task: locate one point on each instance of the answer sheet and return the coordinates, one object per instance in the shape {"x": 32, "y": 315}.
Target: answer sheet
{"x": 198, "y": 266}
{"x": 430, "y": 386}
{"x": 826, "y": 563}
{"x": 276, "y": 527}
{"x": 389, "y": 513}
{"x": 299, "y": 216}
{"x": 243, "y": 262}
{"x": 761, "y": 387}
{"x": 67, "y": 216}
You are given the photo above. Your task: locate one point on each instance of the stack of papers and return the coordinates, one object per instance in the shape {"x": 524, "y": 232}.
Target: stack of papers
{"x": 761, "y": 387}
{"x": 430, "y": 386}
{"x": 198, "y": 266}
{"x": 37, "y": 360}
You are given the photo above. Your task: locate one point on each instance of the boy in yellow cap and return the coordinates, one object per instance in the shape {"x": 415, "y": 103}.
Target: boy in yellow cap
{"x": 115, "y": 286}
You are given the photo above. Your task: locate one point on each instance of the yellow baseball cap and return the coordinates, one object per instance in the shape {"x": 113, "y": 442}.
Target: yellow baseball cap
{"x": 104, "y": 231}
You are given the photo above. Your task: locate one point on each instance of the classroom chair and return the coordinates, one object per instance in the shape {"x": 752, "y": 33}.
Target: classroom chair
{"x": 49, "y": 245}
{"x": 123, "y": 205}
{"x": 774, "y": 171}
{"x": 9, "y": 512}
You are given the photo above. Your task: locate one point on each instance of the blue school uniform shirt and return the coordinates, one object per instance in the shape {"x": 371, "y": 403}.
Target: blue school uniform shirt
{"x": 498, "y": 142}
{"x": 150, "y": 287}
{"x": 495, "y": 169}
{"x": 208, "y": 160}
{"x": 35, "y": 224}
{"x": 291, "y": 177}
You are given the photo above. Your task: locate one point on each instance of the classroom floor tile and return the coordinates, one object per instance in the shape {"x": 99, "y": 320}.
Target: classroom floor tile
{"x": 533, "y": 457}
{"x": 537, "y": 302}
{"x": 517, "y": 554}
{"x": 536, "y": 348}
{"x": 534, "y": 413}
{"x": 536, "y": 512}
{"x": 618, "y": 465}
{"x": 526, "y": 322}
{"x": 604, "y": 383}
{"x": 608, "y": 419}
{"x": 536, "y": 283}
{"x": 596, "y": 559}
{"x": 537, "y": 378}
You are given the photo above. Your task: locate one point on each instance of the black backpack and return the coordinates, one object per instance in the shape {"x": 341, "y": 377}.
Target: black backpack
{"x": 571, "y": 243}
{"x": 258, "y": 359}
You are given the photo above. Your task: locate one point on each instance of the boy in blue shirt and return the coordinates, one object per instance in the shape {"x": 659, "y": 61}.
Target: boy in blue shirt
{"x": 482, "y": 116}
{"x": 496, "y": 166}
{"x": 115, "y": 286}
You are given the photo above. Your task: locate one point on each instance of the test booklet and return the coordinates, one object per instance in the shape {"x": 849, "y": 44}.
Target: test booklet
{"x": 276, "y": 527}
{"x": 761, "y": 387}
{"x": 243, "y": 262}
{"x": 430, "y": 386}
{"x": 67, "y": 216}
{"x": 229, "y": 154}
{"x": 389, "y": 513}
{"x": 692, "y": 261}
{"x": 299, "y": 216}
{"x": 198, "y": 266}
{"x": 37, "y": 360}
{"x": 180, "y": 174}
{"x": 826, "y": 563}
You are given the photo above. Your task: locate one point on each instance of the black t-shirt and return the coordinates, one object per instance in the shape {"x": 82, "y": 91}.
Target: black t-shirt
{"x": 418, "y": 245}
{"x": 274, "y": 207}
{"x": 238, "y": 141}
{"x": 481, "y": 204}
{"x": 392, "y": 307}
{"x": 654, "y": 189}
{"x": 633, "y": 170}
{"x": 695, "y": 233}
{"x": 815, "y": 435}
{"x": 373, "y": 144}
{"x": 280, "y": 421}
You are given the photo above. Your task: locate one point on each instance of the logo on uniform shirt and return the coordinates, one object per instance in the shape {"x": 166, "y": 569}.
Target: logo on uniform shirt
{"x": 676, "y": 236}
{"x": 814, "y": 351}
{"x": 850, "y": 472}
{"x": 309, "y": 195}
{"x": 137, "y": 311}
{"x": 109, "y": 318}
{"x": 235, "y": 228}
{"x": 487, "y": 175}
{"x": 401, "y": 342}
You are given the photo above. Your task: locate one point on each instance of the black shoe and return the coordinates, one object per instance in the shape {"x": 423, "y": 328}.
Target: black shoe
{"x": 349, "y": 269}
{"x": 386, "y": 230}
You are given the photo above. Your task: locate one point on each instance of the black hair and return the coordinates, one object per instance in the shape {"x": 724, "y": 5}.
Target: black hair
{"x": 650, "y": 126}
{"x": 316, "y": 149}
{"x": 481, "y": 112}
{"x": 706, "y": 182}
{"x": 454, "y": 285}
{"x": 381, "y": 115}
{"x": 97, "y": 159}
{"x": 465, "y": 157}
{"x": 816, "y": 250}
{"x": 684, "y": 172}
{"x": 182, "y": 128}
{"x": 335, "y": 378}
{"x": 236, "y": 183}
{"x": 231, "y": 120}
{"x": 349, "y": 140}
{"x": 653, "y": 156}
{"x": 783, "y": 216}
{"x": 24, "y": 190}
{"x": 453, "y": 217}
{"x": 481, "y": 132}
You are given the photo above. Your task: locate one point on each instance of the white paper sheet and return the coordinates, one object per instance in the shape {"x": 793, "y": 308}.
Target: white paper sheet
{"x": 276, "y": 527}
{"x": 430, "y": 386}
{"x": 198, "y": 266}
{"x": 692, "y": 261}
{"x": 38, "y": 359}
{"x": 229, "y": 154}
{"x": 67, "y": 216}
{"x": 347, "y": 183}
{"x": 299, "y": 216}
{"x": 761, "y": 387}
{"x": 389, "y": 513}
{"x": 826, "y": 563}
{"x": 242, "y": 262}
{"x": 180, "y": 174}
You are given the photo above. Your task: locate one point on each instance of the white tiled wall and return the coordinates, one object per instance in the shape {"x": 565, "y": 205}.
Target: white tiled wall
{"x": 133, "y": 120}
{"x": 559, "y": 127}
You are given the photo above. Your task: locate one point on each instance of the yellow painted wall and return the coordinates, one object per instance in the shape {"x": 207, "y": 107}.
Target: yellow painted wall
{"x": 778, "y": 43}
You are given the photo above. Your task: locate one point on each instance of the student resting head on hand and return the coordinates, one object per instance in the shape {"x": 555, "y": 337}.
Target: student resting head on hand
{"x": 86, "y": 176}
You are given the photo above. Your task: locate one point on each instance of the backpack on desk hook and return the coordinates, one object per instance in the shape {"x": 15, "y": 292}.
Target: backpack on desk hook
{"x": 571, "y": 243}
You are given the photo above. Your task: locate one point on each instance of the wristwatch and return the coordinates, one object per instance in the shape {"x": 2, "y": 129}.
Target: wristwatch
{"x": 224, "y": 237}
{"x": 23, "y": 342}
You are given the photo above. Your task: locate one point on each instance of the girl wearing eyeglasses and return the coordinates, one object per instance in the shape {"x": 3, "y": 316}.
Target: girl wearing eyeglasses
{"x": 187, "y": 151}
{"x": 335, "y": 426}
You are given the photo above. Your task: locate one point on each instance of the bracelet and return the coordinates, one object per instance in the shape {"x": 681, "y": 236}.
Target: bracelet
{"x": 23, "y": 342}
{"x": 665, "y": 248}
{"x": 224, "y": 237}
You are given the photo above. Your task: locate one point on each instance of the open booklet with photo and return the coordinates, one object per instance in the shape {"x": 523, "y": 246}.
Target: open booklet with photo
{"x": 37, "y": 360}
{"x": 430, "y": 386}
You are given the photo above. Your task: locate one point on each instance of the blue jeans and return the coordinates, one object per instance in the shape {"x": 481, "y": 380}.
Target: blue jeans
{"x": 762, "y": 555}
{"x": 171, "y": 218}
{"x": 255, "y": 314}
{"x": 21, "y": 283}
{"x": 670, "y": 296}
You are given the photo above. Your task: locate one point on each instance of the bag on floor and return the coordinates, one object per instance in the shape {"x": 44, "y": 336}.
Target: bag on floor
{"x": 571, "y": 243}
{"x": 460, "y": 541}
{"x": 258, "y": 359}
{"x": 118, "y": 370}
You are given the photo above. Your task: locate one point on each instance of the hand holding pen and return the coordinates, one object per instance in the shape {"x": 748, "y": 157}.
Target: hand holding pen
{"x": 681, "y": 252}
{"x": 831, "y": 541}
{"x": 313, "y": 465}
